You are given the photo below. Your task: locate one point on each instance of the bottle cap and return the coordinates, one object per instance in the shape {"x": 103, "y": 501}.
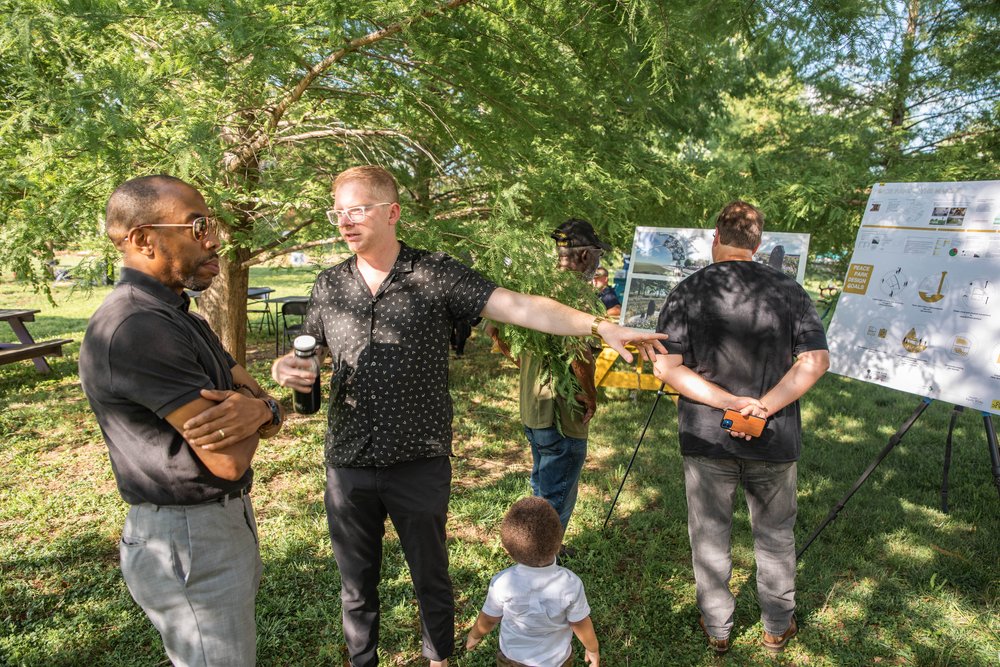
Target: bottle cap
{"x": 304, "y": 343}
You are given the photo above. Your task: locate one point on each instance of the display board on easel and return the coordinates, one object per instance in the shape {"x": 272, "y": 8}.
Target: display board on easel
{"x": 919, "y": 308}
{"x": 663, "y": 256}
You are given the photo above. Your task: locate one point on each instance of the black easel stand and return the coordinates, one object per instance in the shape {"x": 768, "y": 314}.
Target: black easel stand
{"x": 991, "y": 442}
{"x": 893, "y": 441}
{"x": 649, "y": 418}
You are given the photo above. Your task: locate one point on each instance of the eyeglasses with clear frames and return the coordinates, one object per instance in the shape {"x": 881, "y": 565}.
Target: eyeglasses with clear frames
{"x": 200, "y": 227}
{"x": 355, "y": 214}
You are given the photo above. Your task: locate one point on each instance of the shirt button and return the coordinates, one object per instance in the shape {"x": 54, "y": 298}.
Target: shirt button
{"x": 374, "y": 428}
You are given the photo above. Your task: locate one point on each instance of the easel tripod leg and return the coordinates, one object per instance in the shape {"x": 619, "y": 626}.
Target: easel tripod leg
{"x": 956, "y": 410}
{"x": 649, "y": 418}
{"x": 991, "y": 440}
{"x": 893, "y": 441}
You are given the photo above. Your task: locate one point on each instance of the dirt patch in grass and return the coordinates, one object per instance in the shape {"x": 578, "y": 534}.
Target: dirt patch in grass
{"x": 474, "y": 471}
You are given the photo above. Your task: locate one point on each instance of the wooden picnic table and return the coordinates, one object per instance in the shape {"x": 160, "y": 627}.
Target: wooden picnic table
{"x": 28, "y": 348}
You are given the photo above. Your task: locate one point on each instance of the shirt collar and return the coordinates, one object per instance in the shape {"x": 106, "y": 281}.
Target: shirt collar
{"x": 154, "y": 288}
{"x": 545, "y": 568}
{"x": 404, "y": 260}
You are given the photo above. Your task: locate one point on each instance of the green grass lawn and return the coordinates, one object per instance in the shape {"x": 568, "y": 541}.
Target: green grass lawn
{"x": 893, "y": 581}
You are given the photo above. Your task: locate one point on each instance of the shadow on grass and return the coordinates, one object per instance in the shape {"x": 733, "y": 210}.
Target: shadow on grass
{"x": 21, "y": 379}
{"x": 892, "y": 581}
{"x": 72, "y": 582}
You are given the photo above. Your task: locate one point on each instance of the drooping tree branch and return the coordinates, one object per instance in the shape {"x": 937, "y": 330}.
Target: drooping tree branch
{"x": 265, "y": 257}
{"x": 241, "y": 155}
{"x": 350, "y": 132}
{"x": 277, "y": 242}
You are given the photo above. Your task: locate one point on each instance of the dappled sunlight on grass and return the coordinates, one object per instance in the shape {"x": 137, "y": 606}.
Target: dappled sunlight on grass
{"x": 893, "y": 581}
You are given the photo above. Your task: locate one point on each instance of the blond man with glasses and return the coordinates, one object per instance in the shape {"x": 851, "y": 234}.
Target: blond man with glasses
{"x": 385, "y": 315}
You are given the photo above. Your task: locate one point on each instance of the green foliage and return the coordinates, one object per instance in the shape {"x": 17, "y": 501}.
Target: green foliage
{"x": 645, "y": 112}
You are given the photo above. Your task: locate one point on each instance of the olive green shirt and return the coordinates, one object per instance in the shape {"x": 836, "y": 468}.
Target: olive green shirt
{"x": 540, "y": 405}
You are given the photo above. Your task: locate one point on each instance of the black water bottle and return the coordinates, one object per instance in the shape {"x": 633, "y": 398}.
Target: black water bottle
{"x": 307, "y": 402}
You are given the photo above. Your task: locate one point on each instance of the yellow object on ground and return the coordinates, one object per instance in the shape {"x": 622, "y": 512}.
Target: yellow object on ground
{"x": 639, "y": 376}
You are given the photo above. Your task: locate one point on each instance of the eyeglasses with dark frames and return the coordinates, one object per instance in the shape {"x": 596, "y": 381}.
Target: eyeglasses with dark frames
{"x": 200, "y": 227}
{"x": 355, "y": 214}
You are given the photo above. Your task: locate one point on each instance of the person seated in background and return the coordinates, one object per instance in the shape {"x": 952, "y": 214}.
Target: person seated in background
{"x": 538, "y": 604}
{"x": 606, "y": 293}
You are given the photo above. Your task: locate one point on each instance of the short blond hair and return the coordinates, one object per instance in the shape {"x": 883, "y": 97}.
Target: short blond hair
{"x": 376, "y": 178}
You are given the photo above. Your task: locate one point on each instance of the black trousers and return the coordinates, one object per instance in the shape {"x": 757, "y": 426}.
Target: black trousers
{"x": 414, "y": 495}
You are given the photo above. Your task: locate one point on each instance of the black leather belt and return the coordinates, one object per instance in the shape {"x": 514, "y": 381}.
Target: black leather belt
{"x": 232, "y": 495}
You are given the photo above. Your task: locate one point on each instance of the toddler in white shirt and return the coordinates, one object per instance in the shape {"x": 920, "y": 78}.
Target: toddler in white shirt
{"x": 538, "y": 604}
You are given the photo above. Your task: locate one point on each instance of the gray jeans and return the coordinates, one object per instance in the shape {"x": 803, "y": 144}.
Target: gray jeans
{"x": 770, "y": 490}
{"x": 195, "y": 570}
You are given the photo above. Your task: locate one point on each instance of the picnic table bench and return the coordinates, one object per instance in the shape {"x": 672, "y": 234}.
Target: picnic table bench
{"x": 28, "y": 348}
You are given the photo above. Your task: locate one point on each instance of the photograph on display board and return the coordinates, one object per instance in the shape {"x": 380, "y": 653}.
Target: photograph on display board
{"x": 918, "y": 311}
{"x": 664, "y": 256}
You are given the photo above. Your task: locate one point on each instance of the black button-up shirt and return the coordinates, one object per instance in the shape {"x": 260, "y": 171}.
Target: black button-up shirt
{"x": 389, "y": 399}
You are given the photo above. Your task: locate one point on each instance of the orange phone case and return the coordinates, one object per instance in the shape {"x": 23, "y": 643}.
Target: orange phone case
{"x": 737, "y": 422}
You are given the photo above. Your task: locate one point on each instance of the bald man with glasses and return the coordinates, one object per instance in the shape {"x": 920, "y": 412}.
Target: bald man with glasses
{"x": 182, "y": 421}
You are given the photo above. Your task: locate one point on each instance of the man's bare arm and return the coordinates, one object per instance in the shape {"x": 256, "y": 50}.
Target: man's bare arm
{"x": 808, "y": 368}
{"x": 670, "y": 368}
{"x": 229, "y": 463}
{"x": 549, "y": 316}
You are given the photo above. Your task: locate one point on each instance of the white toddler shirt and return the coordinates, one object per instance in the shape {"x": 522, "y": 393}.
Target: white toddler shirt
{"x": 537, "y": 604}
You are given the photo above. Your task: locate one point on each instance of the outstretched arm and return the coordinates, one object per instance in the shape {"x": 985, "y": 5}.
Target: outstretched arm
{"x": 546, "y": 315}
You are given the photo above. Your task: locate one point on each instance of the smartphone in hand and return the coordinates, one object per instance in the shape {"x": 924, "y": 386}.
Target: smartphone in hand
{"x": 732, "y": 420}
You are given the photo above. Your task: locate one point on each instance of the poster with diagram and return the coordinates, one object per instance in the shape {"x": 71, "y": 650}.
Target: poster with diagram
{"x": 664, "y": 256}
{"x": 918, "y": 311}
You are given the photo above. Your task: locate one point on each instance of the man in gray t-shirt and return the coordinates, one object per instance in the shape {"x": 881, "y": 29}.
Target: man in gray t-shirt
{"x": 182, "y": 421}
{"x": 742, "y": 336}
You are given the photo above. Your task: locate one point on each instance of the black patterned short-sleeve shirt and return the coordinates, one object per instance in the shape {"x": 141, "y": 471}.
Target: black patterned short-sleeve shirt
{"x": 389, "y": 399}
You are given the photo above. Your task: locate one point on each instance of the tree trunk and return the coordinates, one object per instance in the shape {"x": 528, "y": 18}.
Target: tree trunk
{"x": 901, "y": 82}
{"x": 224, "y": 305}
